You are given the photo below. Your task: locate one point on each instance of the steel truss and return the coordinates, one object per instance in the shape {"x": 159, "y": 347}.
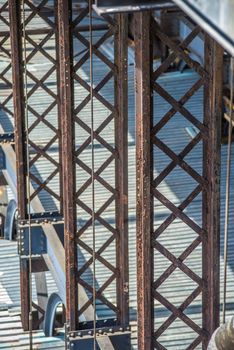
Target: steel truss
{"x": 28, "y": 85}
{"x": 64, "y": 125}
{"x": 150, "y": 193}
{"x": 66, "y": 119}
{"x": 76, "y": 159}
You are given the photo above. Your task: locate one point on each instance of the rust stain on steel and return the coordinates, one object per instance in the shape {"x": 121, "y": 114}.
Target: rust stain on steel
{"x": 68, "y": 162}
{"x": 211, "y": 194}
{"x": 19, "y": 119}
{"x": 207, "y": 184}
{"x": 19, "y": 108}
{"x": 24, "y": 293}
{"x": 144, "y": 177}
{"x": 121, "y": 168}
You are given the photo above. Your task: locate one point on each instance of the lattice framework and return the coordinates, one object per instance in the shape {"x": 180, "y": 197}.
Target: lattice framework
{"x": 181, "y": 51}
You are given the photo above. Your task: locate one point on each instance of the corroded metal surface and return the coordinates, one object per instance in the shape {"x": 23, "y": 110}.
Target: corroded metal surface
{"x": 144, "y": 178}
{"x": 68, "y": 161}
{"x": 206, "y": 182}
{"x": 173, "y": 300}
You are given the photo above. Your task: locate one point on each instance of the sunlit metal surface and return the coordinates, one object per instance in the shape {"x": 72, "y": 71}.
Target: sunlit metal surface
{"x": 215, "y": 17}
{"x": 112, "y": 6}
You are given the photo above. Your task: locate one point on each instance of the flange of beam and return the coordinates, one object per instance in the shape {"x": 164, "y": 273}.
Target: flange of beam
{"x": 19, "y": 117}
{"x": 143, "y": 178}
{"x": 68, "y": 161}
{"x": 121, "y": 168}
{"x": 211, "y": 197}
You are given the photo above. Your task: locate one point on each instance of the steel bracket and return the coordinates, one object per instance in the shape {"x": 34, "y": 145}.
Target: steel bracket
{"x": 118, "y": 335}
{"x": 38, "y": 240}
{"x": 42, "y": 218}
{"x": 34, "y": 226}
{"x": 118, "y": 340}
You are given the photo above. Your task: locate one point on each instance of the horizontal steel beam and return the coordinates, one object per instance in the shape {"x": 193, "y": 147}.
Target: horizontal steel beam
{"x": 117, "y": 6}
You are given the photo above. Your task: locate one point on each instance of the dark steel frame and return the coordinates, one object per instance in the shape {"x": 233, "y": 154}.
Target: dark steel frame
{"x": 146, "y": 138}
{"x": 70, "y": 156}
{"x": 208, "y": 183}
{"x": 16, "y": 35}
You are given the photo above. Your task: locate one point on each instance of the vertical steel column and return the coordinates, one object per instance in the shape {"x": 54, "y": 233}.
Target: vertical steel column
{"x": 144, "y": 177}
{"x": 58, "y": 103}
{"x": 68, "y": 161}
{"x": 211, "y": 197}
{"x": 121, "y": 169}
{"x": 18, "y": 98}
{"x": 19, "y": 118}
{"x": 24, "y": 293}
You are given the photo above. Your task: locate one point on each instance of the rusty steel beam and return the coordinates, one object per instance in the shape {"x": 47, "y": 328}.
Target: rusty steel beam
{"x": 19, "y": 108}
{"x": 24, "y": 293}
{"x": 144, "y": 169}
{"x": 211, "y": 197}
{"x": 21, "y": 167}
{"x": 121, "y": 168}
{"x": 68, "y": 161}
{"x": 56, "y": 31}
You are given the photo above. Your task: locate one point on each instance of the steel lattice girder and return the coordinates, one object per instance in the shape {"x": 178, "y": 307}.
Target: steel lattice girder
{"x": 73, "y": 59}
{"x": 37, "y": 45}
{"x": 149, "y": 189}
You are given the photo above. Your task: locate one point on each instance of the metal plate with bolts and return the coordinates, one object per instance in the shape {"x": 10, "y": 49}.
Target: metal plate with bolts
{"x": 7, "y": 138}
{"x": 38, "y": 240}
{"x": 38, "y": 237}
{"x": 119, "y": 341}
{"x": 43, "y": 218}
